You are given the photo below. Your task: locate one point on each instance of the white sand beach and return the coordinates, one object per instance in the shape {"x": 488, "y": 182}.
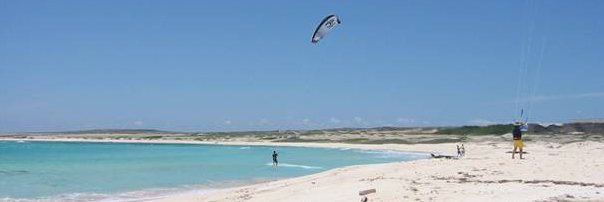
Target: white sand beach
{"x": 549, "y": 172}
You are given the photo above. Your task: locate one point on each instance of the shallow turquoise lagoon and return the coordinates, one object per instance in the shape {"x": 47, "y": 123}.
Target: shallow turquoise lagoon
{"x": 82, "y": 171}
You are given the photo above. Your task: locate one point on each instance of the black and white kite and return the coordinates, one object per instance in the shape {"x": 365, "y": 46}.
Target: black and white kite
{"x": 325, "y": 27}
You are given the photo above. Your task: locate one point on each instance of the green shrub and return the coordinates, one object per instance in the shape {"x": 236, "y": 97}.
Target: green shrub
{"x": 497, "y": 129}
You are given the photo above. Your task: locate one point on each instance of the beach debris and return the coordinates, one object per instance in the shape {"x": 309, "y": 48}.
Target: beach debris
{"x": 325, "y": 27}
{"x": 413, "y": 189}
{"x": 468, "y": 179}
{"x": 381, "y": 177}
{"x": 365, "y": 192}
{"x": 569, "y": 196}
{"x": 442, "y": 156}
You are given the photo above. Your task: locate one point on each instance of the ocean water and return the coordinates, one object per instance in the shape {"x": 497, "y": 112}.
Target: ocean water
{"x": 81, "y": 171}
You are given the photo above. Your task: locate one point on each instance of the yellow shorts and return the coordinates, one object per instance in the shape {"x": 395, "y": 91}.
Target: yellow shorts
{"x": 518, "y": 143}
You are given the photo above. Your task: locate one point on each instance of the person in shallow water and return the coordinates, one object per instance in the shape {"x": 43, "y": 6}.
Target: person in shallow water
{"x": 517, "y": 136}
{"x": 275, "y": 162}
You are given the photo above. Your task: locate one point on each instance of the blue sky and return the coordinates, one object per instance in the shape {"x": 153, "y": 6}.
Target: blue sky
{"x": 249, "y": 65}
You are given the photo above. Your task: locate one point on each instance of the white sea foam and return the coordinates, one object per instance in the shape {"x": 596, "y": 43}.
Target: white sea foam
{"x": 295, "y": 166}
{"x": 244, "y": 147}
{"x": 142, "y": 195}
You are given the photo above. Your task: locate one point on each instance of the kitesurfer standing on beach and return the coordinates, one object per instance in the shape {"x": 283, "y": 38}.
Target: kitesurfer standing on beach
{"x": 517, "y": 136}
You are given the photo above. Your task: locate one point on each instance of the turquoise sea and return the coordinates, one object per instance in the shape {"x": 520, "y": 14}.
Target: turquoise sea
{"x": 83, "y": 171}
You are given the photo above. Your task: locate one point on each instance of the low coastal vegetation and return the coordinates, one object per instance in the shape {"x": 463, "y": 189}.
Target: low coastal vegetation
{"x": 381, "y": 135}
{"x": 497, "y": 129}
{"x": 298, "y": 139}
{"x": 115, "y": 131}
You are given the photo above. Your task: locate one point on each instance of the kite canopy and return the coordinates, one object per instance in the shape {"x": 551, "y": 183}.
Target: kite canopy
{"x": 325, "y": 27}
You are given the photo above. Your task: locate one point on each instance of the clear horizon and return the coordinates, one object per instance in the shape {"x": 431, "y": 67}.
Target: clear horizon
{"x": 241, "y": 66}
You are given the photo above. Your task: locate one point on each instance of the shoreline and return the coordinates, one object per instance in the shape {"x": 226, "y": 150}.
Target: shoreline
{"x": 236, "y": 143}
{"x": 549, "y": 172}
{"x": 187, "y": 191}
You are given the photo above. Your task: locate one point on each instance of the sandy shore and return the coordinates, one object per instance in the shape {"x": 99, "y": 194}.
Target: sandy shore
{"x": 549, "y": 172}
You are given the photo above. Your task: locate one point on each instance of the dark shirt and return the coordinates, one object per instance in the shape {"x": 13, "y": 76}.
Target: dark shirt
{"x": 275, "y": 156}
{"x": 517, "y": 134}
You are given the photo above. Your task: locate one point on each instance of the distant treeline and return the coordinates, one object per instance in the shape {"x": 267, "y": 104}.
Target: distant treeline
{"x": 585, "y": 127}
{"x": 497, "y": 129}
